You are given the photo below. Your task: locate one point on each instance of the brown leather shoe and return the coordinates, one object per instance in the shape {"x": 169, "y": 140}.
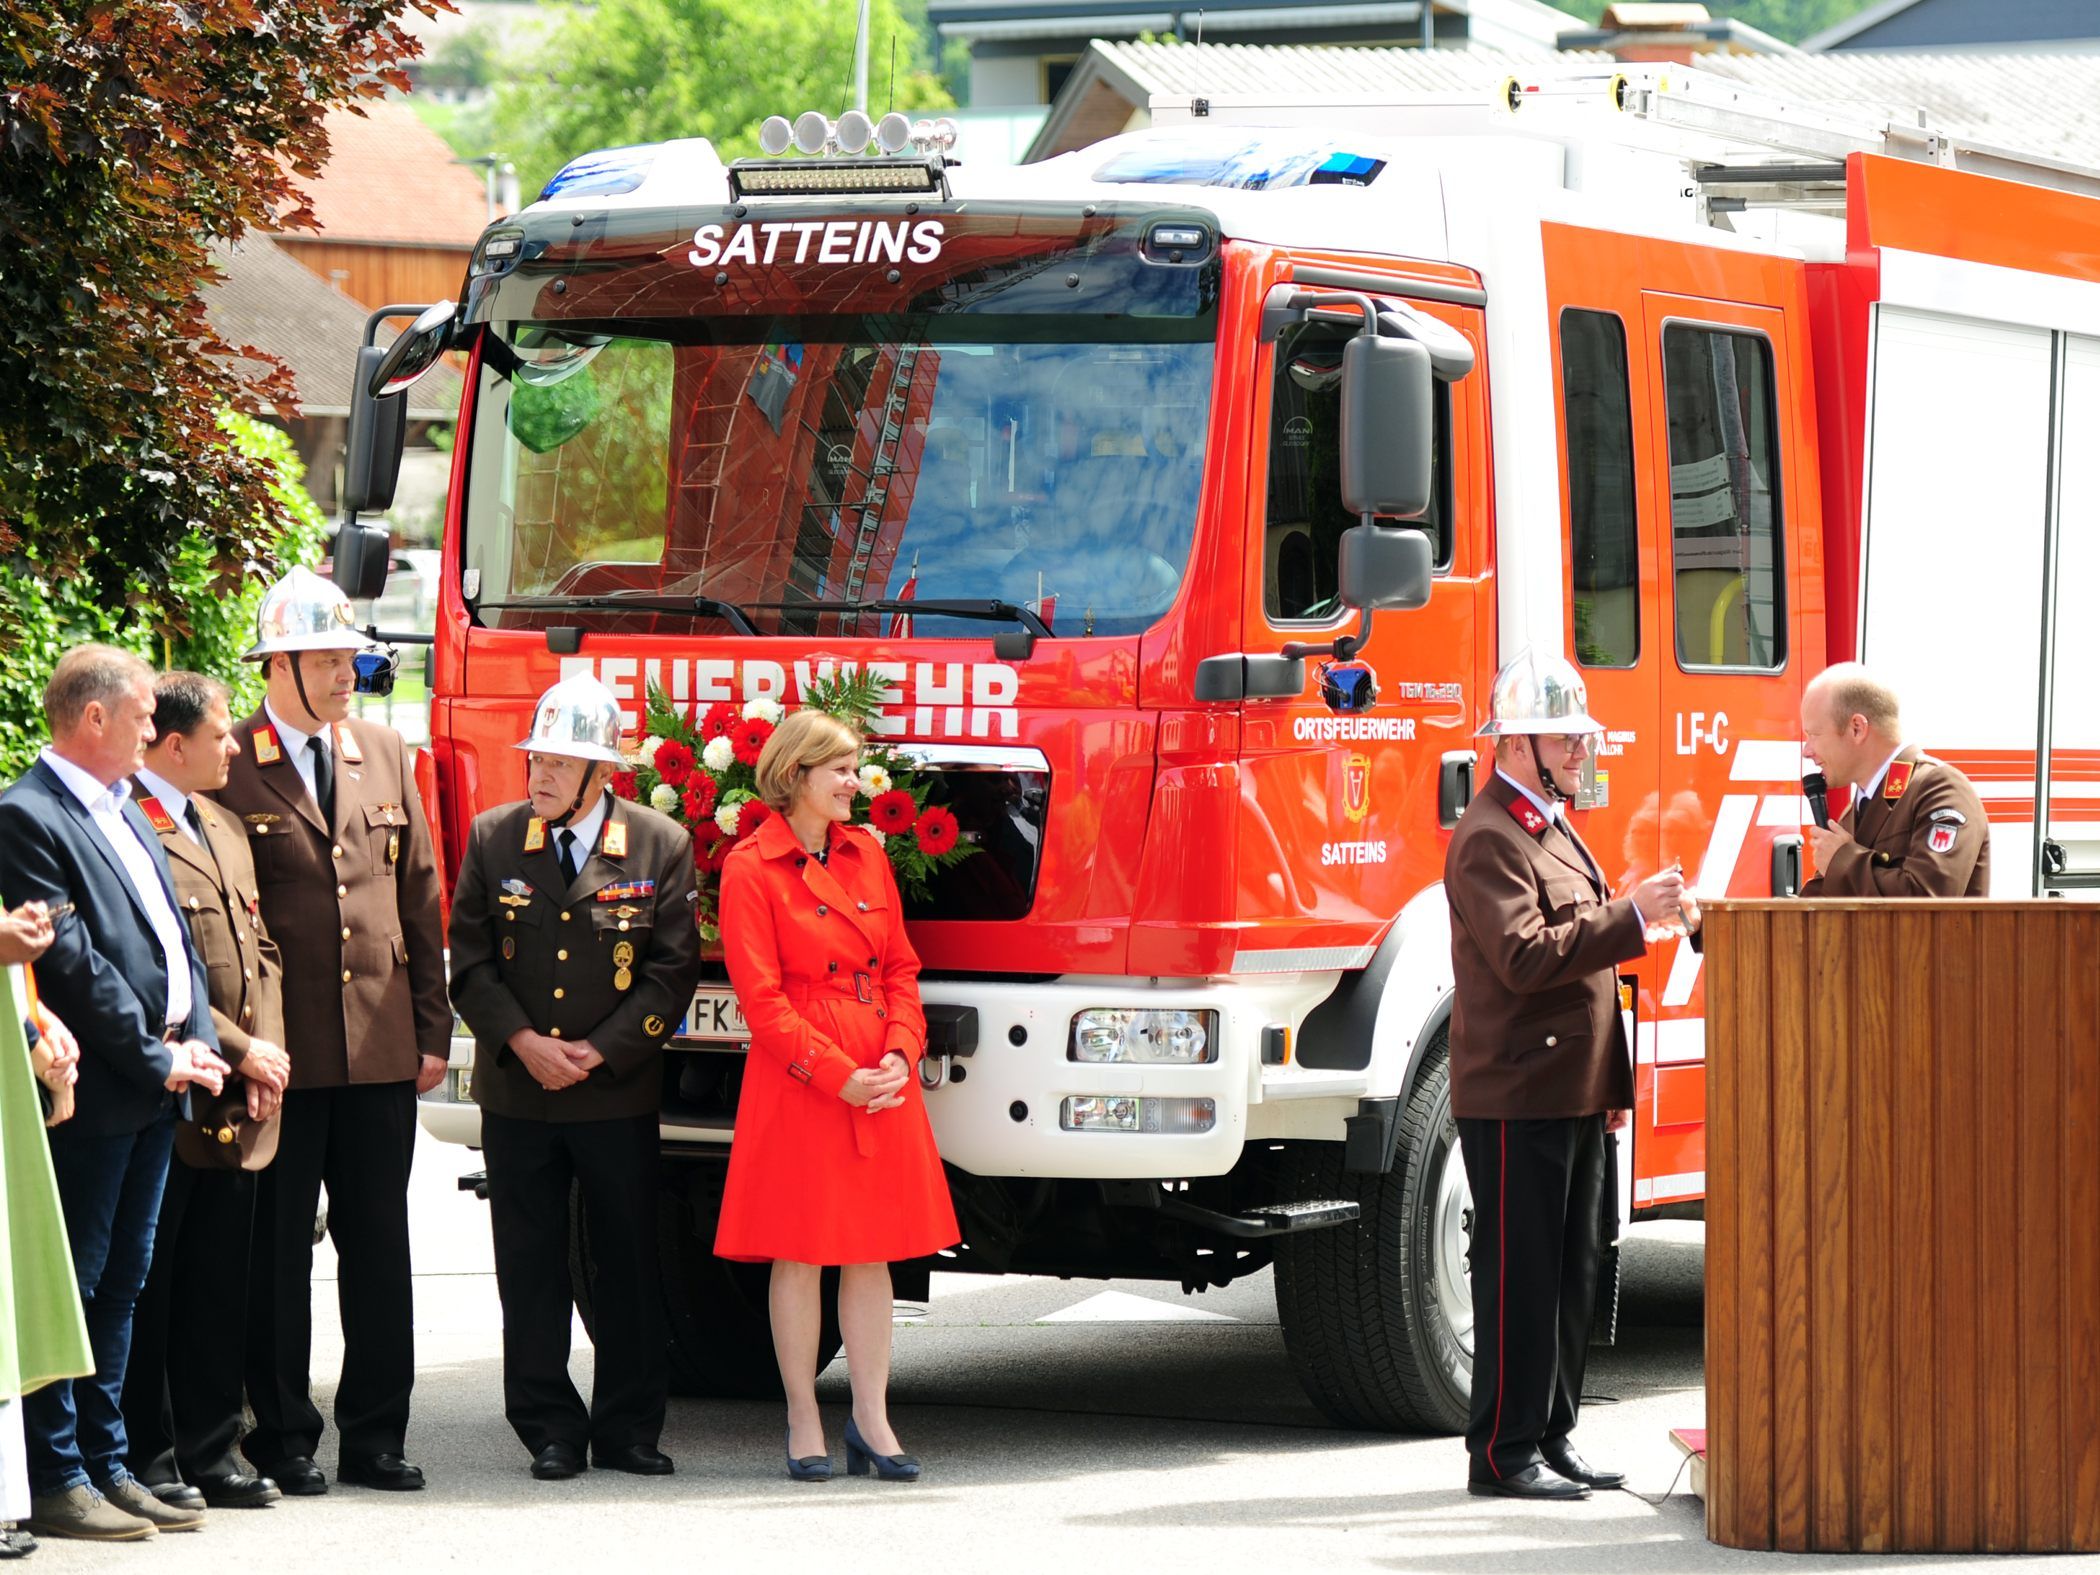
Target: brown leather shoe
{"x": 135, "y": 1498}
{"x": 85, "y": 1516}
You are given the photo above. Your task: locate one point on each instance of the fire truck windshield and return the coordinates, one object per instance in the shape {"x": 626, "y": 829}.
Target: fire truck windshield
{"x": 771, "y": 462}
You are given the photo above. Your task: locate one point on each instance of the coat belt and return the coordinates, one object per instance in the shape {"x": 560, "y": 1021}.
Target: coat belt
{"x": 860, "y": 986}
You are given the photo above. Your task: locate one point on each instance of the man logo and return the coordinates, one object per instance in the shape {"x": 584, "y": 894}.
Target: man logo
{"x": 1356, "y": 787}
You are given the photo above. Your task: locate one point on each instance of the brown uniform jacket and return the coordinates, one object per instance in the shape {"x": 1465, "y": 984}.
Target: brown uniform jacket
{"x": 353, "y": 905}
{"x": 611, "y": 958}
{"x": 215, "y": 891}
{"x": 1923, "y": 834}
{"x": 1535, "y": 1026}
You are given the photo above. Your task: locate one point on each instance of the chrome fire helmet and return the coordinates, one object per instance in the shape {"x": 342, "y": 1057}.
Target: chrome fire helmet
{"x": 578, "y": 718}
{"x": 1538, "y": 694}
{"x": 303, "y": 612}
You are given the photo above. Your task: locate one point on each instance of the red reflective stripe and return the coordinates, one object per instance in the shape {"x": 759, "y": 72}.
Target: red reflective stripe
{"x": 1501, "y": 1292}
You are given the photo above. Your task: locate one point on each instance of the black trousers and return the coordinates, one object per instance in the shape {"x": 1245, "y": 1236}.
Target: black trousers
{"x": 1538, "y": 1195}
{"x": 182, "y": 1385}
{"x": 613, "y": 1164}
{"x": 357, "y": 1142}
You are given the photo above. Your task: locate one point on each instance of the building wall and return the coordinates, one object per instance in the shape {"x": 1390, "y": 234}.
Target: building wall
{"x": 376, "y": 276}
{"x": 1003, "y": 81}
{"x": 1945, "y": 23}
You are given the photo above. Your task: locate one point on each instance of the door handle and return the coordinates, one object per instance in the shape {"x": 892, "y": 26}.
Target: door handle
{"x": 1786, "y": 865}
{"x": 1454, "y": 787}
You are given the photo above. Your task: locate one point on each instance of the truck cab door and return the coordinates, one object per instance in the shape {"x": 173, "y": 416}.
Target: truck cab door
{"x": 1341, "y": 823}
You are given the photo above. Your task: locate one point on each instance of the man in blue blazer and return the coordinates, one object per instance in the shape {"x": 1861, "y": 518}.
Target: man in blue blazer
{"x": 122, "y": 974}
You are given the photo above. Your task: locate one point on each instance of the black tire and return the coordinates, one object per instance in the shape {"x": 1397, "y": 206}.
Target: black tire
{"x": 1377, "y": 1317}
{"x": 721, "y": 1336}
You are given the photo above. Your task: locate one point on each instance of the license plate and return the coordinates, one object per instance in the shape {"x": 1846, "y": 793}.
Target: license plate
{"x": 715, "y": 1015}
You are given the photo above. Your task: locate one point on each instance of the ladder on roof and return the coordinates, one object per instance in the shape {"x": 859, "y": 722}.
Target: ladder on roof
{"x": 1766, "y": 149}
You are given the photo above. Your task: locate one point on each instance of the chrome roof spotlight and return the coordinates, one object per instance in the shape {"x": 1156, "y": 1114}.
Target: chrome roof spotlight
{"x": 775, "y": 135}
{"x": 854, "y": 130}
{"x": 812, "y": 131}
{"x": 893, "y": 132}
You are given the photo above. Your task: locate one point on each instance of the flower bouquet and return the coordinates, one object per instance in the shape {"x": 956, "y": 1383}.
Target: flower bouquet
{"x": 702, "y": 771}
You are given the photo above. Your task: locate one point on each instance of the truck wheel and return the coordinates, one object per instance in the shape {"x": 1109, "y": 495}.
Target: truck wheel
{"x": 1378, "y": 1316}
{"x": 721, "y": 1336}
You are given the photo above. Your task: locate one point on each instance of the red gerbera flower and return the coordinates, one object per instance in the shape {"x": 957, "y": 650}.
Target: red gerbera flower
{"x": 720, "y": 718}
{"x": 705, "y": 836}
{"x": 892, "y": 812}
{"x": 625, "y": 784}
{"x": 700, "y": 794}
{"x": 748, "y": 739}
{"x": 937, "y": 831}
{"x": 674, "y": 762}
{"x": 750, "y": 815}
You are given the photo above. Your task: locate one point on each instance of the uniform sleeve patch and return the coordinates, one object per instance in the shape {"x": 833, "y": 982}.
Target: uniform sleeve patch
{"x": 1941, "y": 839}
{"x": 1951, "y": 816}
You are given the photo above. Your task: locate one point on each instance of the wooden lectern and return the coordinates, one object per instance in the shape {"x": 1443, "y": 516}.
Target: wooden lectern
{"x": 1903, "y": 1226}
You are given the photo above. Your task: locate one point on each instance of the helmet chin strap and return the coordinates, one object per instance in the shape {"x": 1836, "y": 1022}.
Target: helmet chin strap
{"x": 1546, "y": 778}
{"x": 583, "y": 796}
{"x": 299, "y": 683}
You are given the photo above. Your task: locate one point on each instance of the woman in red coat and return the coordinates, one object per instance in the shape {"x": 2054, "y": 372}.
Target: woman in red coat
{"x": 833, "y": 1160}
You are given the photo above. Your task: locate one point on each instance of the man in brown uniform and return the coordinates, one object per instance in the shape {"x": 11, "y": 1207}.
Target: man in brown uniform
{"x": 574, "y": 956}
{"x": 183, "y": 1416}
{"x": 1915, "y": 827}
{"x": 349, "y": 887}
{"x": 1540, "y": 1073}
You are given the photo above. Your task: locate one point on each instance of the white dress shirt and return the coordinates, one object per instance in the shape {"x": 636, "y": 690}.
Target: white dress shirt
{"x": 586, "y": 828}
{"x": 177, "y": 803}
{"x": 105, "y": 807}
{"x": 1872, "y": 785}
{"x": 293, "y": 741}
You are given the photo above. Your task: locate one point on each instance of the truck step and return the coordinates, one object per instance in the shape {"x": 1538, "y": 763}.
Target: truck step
{"x": 1268, "y": 1219}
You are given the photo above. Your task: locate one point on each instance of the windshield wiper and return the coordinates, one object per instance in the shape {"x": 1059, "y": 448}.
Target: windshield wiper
{"x": 1010, "y": 646}
{"x": 698, "y": 606}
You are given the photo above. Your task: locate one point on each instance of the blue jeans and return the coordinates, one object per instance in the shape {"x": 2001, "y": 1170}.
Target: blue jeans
{"x": 109, "y": 1188}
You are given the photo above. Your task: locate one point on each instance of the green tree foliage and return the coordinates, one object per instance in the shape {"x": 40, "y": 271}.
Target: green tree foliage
{"x": 50, "y": 609}
{"x": 627, "y": 71}
{"x": 133, "y": 135}
{"x": 1791, "y": 20}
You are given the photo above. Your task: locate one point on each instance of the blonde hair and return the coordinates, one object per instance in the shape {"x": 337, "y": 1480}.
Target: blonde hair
{"x": 1853, "y": 690}
{"x": 808, "y": 738}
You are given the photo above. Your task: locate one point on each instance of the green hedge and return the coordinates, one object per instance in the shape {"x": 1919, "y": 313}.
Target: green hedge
{"x": 47, "y": 616}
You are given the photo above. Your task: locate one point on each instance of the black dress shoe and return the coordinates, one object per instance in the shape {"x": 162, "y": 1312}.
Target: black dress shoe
{"x": 238, "y": 1490}
{"x": 1576, "y": 1469}
{"x": 636, "y": 1459}
{"x": 390, "y": 1473}
{"x": 176, "y": 1495}
{"x": 298, "y": 1477}
{"x": 557, "y": 1462}
{"x": 1531, "y": 1482}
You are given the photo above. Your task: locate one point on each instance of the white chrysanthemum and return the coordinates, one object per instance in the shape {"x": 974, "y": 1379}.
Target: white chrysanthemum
{"x": 764, "y": 709}
{"x": 882, "y": 839}
{"x": 719, "y": 754}
{"x": 873, "y": 780}
{"x": 726, "y": 818}
{"x": 650, "y": 746}
{"x": 663, "y": 798}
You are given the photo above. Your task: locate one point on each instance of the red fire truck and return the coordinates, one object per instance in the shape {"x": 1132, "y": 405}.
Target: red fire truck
{"x": 1101, "y": 463}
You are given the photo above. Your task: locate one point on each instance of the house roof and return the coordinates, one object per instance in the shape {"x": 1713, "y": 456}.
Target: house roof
{"x": 391, "y": 181}
{"x": 268, "y": 300}
{"x": 2045, "y": 103}
{"x": 1985, "y": 23}
{"x": 1505, "y": 23}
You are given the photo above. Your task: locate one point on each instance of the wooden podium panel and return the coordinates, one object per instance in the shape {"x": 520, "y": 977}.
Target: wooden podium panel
{"x": 1903, "y": 1226}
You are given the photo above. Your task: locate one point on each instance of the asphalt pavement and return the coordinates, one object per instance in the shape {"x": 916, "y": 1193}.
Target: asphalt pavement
{"x": 1066, "y": 1426}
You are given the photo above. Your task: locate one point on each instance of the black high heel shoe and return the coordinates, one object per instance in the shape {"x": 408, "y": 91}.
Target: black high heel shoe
{"x": 811, "y": 1468}
{"x": 859, "y": 1457}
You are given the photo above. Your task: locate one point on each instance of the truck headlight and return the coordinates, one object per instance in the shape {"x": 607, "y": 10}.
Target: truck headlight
{"x": 1116, "y": 1033}
{"x": 1128, "y": 1113}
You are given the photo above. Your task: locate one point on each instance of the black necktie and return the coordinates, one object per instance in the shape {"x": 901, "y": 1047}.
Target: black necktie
{"x": 567, "y": 854}
{"x": 189, "y": 814}
{"x": 324, "y": 777}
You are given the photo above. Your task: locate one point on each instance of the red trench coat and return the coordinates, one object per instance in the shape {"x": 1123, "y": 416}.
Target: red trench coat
{"x": 829, "y": 984}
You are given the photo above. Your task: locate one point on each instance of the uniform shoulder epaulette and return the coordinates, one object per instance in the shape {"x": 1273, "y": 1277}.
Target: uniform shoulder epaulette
{"x": 267, "y": 750}
{"x": 156, "y": 817}
{"x": 1898, "y": 780}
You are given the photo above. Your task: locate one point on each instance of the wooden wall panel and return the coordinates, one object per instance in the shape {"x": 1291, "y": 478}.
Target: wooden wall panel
{"x": 1903, "y": 1222}
{"x": 376, "y": 276}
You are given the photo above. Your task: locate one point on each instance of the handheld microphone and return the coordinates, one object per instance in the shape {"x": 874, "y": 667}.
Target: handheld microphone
{"x": 1817, "y": 791}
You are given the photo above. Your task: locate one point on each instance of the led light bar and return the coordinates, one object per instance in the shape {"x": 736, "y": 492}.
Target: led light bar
{"x": 828, "y": 177}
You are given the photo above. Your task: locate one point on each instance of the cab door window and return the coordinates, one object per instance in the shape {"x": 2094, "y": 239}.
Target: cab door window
{"x": 1302, "y": 540}
{"x": 1603, "y": 528}
{"x": 1725, "y": 524}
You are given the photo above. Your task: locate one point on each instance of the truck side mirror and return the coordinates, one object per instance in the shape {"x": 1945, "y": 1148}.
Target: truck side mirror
{"x": 378, "y": 431}
{"x": 415, "y": 352}
{"x": 360, "y": 559}
{"x": 1385, "y": 567}
{"x": 1388, "y": 420}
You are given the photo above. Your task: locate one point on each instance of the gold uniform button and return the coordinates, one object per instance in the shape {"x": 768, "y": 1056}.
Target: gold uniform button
{"x": 559, "y": 992}
{"x": 346, "y": 932}
{"x": 554, "y": 1033}
{"x": 342, "y": 891}
{"x": 565, "y": 918}
{"x": 623, "y": 924}
{"x": 338, "y": 850}
{"x": 193, "y": 904}
{"x": 346, "y": 976}
{"x": 562, "y": 955}
{"x": 247, "y": 973}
